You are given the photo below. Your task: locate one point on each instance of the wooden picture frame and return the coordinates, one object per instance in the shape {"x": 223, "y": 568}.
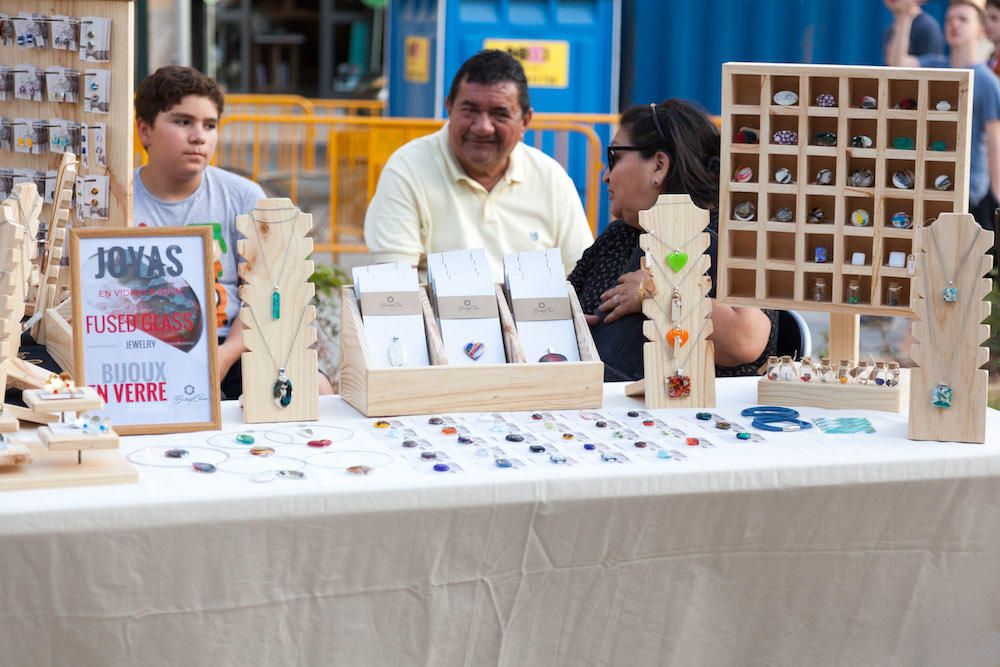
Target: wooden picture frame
{"x": 167, "y": 340}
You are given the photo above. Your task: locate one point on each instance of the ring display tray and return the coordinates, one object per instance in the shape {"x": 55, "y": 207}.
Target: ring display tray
{"x": 516, "y": 385}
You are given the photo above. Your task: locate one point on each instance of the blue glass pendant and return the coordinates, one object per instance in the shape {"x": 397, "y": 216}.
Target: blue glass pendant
{"x": 275, "y": 304}
{"x": 950, "y": 294}
{"x": 282, "y": 390}
{"x": 941, "y": 396}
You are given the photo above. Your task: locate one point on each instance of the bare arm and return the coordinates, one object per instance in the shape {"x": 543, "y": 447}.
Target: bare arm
{"x": 231, "y": 348}
{"x": 740, "y": 334}
{"x": 898, "y": 52}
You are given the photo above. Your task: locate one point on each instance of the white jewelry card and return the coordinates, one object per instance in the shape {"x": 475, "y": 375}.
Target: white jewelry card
{"x": 389, "y": 298}
{"x": 465, "y": 298}
{"x": 63, "y": 32}
{"x": 28, "y": 82}
{"x": 536, "y": 285}
{"x": 97, "y": 90}
{"x": 95, "y": 39}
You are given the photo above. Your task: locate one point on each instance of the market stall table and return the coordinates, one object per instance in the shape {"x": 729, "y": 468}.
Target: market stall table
{"x": 804, "y": 548}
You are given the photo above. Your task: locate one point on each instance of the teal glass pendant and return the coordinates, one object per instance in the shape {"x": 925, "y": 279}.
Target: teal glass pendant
{"x": 950, "y": 294}
{"x": 941, "y": 396}
{"x": 275, "y": 304}
{"x": 282, "y": 390}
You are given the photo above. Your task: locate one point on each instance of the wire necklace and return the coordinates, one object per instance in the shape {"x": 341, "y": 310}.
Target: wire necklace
{"x": 271, "y": 278}
{"x": 950, "y": 293}
{"x": 282, "y": 387}
{"x": 942, "y": 393}
{"x": 678, "y": 384}
{"x": 677, "y": 259}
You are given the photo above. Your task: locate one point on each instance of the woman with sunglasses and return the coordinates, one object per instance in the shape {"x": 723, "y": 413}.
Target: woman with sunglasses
{"x": 667, "y": 148}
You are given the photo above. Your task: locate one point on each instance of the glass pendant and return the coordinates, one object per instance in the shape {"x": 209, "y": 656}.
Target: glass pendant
{"x": 678, "y": 385}
{"x": 941, "y": 396}
{"x": 282, "y": 390}
{"x": 275, "y": 304}
{"x": 950, "y": 293}
{"x": 397, "y": 353}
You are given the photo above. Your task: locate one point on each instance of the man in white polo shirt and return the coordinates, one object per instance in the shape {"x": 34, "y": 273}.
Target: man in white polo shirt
{"x": 474, "y": 184}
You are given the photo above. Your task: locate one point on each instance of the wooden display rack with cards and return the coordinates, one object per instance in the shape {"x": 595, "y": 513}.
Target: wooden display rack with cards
{"x": 280, "y": 370}
{"x": 516, "y": 385}
{"x": 828, "y": 175}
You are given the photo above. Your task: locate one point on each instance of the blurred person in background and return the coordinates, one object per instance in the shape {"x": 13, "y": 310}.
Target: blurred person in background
{"x": 924, "y": 33}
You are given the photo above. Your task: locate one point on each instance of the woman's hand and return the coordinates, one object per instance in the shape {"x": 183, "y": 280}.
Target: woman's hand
{"x": 626, "y": 297}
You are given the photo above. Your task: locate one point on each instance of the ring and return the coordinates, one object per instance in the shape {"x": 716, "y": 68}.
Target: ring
{"x": 617, "y": 299}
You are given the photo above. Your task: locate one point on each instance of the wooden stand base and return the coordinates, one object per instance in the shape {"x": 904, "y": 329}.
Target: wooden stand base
{"x": 50, "y": 470}
{"x": 8, "y": 422}
{"x": 835, "y": 396}
{"x": 29, "y": 415}
{"x": 72, "y": 440}
{"x": 83, "y": 399}
{"x": 14, "y": 455}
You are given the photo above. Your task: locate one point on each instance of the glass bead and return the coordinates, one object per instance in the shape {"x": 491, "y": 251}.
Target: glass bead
{"x": 941, "y": 396}
{"x": 245, "y": 439}
{"x": 663, "y": 454}
{"x": 950, "y": 294}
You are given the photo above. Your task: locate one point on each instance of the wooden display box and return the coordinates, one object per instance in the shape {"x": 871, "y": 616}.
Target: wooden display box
{"x": 836, "y": 396}
{"x": 770, "y": 263}
{"x": 513, "y": 386}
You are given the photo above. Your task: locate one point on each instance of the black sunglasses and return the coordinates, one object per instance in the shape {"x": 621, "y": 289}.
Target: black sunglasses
{"x": 613, "y": 151}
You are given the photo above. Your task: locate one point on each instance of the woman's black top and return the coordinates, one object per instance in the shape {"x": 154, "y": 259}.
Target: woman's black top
{"x": 615, "y": 253}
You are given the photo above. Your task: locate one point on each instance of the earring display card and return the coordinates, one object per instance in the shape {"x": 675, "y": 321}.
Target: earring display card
{"x": 28, "y": 83}
{"x": 28, "y": 31}
{"x": 466, "y": 304}
{"x": 536, "y": 285}
{"x": 881, "y": 153}
{"x": 64, "y": 33}
{"x": 391, "y": 310}
{"x": 62, "y": 85}
{"x": 92, "y": 198}
{"x": 25, "y": 137}
{"x": 6, "y": 83}
{"x": 95, "y": 39}
{"x": 95, "y": 139}
{"x": 97, "y": 90}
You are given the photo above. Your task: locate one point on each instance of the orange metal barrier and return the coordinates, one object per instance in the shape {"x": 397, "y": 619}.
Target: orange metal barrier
{"x": 357, "y": 148}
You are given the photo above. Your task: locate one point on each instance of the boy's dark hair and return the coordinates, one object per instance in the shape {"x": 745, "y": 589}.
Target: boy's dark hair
{"x": 166, "y": 87}
{"x": 995, "y": 4}
{"x": 489, "y": 67}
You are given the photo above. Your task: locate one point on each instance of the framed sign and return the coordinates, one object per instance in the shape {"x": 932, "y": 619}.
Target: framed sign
{"x": 144, "y": 330}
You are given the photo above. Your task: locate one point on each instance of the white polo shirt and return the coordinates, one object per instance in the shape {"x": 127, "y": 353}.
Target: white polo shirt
{"x": 424, "y": 202}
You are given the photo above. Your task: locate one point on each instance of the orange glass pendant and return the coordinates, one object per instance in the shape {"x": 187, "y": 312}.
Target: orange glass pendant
{"x": 676, "y": 337}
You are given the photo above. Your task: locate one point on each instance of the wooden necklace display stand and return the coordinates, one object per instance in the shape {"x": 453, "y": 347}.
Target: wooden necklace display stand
{"x": 949, "y": 355}
{"x": 675, "y": 225}
{"x": 275, "y": 247}
{"x": 53, "y": 329}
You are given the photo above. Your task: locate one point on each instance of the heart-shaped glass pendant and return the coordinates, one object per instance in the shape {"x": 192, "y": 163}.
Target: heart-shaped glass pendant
{"x": 676, "y": 260}
{"x": 474, "y": 350}
{"x": 677, "y": 337}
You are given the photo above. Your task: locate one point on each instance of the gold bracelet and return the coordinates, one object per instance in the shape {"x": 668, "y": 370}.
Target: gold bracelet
{"x": 642, "y": 293}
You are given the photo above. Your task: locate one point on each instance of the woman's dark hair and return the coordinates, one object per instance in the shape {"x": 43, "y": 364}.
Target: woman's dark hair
{"x": 684, "y": 132}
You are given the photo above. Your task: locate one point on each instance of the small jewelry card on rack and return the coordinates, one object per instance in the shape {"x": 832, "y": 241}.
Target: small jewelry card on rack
{"x": 95, "y": 39}
{"x": 28, "y": 83}
{"x": 28, "y": 31}
{"x": 389, "y": 298}
{"x": 63, "y": 32}
{"x": 25, "y": 136}
{"x": 536, "y": 286}
{"x": 97, "y": 90}
{"x": 466, "y": 304}
{"x": 62, "y": 85}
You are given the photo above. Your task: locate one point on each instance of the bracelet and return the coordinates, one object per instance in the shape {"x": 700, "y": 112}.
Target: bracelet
{"x": 642, "y": 293}
{"x": 765, "y": 423}
{"x": 770, "y": 411}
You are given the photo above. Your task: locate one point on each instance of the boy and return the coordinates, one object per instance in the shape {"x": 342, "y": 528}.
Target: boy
{"x": 177, "y": 113}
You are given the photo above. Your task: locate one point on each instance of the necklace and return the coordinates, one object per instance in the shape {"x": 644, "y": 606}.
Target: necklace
{"x": 271, "y": 278}
{"x": 26, "y": 264}
{"x": 950, "y": 293}
{"x": 679, "y": 384}
{"x": 282, "y": 387}
{"x": 676, "y": 259}
{"x": 942, "y": 393}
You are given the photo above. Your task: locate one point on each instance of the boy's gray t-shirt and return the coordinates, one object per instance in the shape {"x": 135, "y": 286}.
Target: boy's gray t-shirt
{"x": 221, "y": 197}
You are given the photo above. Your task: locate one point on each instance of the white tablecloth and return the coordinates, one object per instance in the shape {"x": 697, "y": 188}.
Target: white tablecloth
{"x": 803, "y": 549}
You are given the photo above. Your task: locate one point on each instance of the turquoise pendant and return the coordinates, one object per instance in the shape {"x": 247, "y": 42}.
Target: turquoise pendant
{"x": 275, "y": 304}
{"x": 950, "y": 294}
{"x": 282, "y": 390}
{"x": 941, "y": 396}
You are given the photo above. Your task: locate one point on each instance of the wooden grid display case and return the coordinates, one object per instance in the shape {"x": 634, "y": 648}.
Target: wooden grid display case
{"x": 119, "y": 119}
{"x": 764, "y": 262}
